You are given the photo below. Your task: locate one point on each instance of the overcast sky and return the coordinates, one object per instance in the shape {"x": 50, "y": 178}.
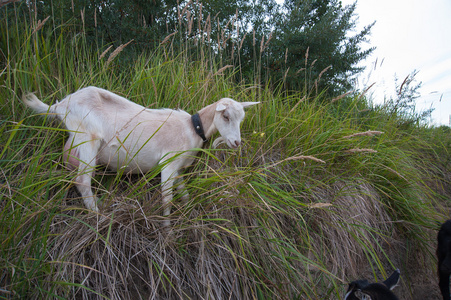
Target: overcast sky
{"x": 410, "y": 35}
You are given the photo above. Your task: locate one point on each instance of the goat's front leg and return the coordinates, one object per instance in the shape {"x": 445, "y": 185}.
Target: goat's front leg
{"x": 83, "y": 183}
{"x": 82, "y": 154}
{"x": 180, "y": 186}
{"x": 167, "y": 183}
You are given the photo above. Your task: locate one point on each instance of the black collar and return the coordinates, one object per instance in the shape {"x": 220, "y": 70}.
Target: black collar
{"x": 197, "y": 124}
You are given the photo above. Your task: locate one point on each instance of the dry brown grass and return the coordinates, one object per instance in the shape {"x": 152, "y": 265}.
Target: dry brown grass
{"x": 125, "y": 254}
{"x": 223, "y": 243}
{"x": 354, "y": 213}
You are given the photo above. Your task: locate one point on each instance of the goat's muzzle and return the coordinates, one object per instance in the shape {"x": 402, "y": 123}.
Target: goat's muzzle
{"x": 234, "y": 144}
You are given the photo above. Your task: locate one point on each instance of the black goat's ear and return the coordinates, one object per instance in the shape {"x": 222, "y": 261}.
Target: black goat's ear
{"x": 352, "y": 286}
{"x": 356, "y": 286}
{"x": 392, "y": 281}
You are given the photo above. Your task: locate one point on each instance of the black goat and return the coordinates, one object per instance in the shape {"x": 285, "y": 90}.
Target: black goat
{"x": 363, "y": 290}
{"x": 444, "y": 258}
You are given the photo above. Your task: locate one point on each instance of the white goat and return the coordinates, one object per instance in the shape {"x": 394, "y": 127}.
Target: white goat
{"x": 107, "y": 129}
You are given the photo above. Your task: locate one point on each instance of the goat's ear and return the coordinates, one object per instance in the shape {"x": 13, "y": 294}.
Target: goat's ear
{"x": 246, "y": 104}
{"x": 393, "y": 280}
{"x": 221, "y": 107}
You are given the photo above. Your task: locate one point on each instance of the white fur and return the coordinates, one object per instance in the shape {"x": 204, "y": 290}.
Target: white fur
{"x": 107, "y": 129}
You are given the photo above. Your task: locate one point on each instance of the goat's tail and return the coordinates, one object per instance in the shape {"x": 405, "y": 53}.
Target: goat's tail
{"x": 35, "y": 104}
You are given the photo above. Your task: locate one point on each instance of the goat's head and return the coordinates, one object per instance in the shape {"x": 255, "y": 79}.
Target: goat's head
{"x": 363, "y": 290}
{"x": 227, "y": 119}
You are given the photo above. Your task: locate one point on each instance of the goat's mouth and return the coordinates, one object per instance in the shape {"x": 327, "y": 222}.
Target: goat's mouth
{"x": 231, "y": 144}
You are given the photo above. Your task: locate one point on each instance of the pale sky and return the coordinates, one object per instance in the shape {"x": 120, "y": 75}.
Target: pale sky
{"x": 409, "y": 35}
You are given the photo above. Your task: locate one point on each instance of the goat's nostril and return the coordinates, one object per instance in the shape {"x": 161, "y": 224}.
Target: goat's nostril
{"x": 237, "y": 143}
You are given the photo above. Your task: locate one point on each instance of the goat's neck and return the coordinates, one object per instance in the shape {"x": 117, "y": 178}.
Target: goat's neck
{"x": 207, "y": 115}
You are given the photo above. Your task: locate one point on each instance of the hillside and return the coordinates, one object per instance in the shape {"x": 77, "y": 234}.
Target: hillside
{"x": 323, "y": 190}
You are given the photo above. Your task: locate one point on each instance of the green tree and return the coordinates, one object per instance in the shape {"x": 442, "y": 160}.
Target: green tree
{"x": 303, "y": 44}
{"x": 314, "y": 46}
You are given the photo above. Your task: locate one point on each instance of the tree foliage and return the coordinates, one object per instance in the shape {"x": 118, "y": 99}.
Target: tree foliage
{"x": 315, "y": 46}
{"x": 300, "y": 45}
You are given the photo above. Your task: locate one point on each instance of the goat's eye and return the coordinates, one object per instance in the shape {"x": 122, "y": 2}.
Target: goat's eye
{"x": 226, "y": 118}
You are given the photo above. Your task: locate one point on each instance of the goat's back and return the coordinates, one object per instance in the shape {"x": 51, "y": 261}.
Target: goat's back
{"x": 93, "y": 99}
{"x": 107, "y": 114}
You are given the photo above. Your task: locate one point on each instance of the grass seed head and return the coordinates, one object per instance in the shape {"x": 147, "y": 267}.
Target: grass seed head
{"x": 116, "y": 52}
{"x": 365, "y": 133}
{"x": 40, "y": 25}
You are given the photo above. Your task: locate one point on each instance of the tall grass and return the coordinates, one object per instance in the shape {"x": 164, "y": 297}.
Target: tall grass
{"x": 321, "y": 192}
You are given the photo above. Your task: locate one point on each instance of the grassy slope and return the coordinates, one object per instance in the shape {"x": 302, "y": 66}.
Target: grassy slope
{"x": 304, "y": 206}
